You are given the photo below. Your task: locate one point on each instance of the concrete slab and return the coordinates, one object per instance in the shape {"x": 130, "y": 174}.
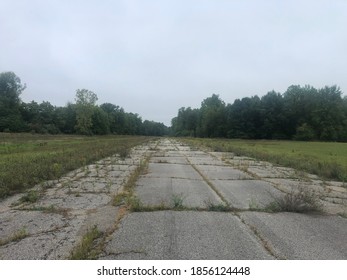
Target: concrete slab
{"x": 208, "y": 160}
{"x": 174, "y": 154}
{"x": 102, "y": 217}
{"x": 242, "y": 194}
{"x": 299, "y": 236}
{"x": 165, "y": 170}
{"x": 28, "y": 222}
{"x": 169, "y": 159}
{"x": 194, "y": 154}
{"x": 49, "y": 245}
{"x": 222, "y": 173}
{"x": 88, "y": 186}
{"x": 76, "y": 201}
{"x": 165, "y": 191}
{"x": 182, "y": 148}
{"x": 286, "y": 184}
{"x": 183, "y": 235}
{"x": 267, "y": 172}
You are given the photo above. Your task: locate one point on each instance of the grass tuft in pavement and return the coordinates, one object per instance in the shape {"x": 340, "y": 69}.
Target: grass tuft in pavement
{"x": 87, "y": 249}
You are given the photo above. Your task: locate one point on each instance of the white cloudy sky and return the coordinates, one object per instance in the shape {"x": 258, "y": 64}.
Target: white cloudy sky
{"x": 152, "y": 57}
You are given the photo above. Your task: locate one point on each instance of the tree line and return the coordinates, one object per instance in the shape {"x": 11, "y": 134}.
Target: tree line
{"x": 82, "y": 117}
{"x": 300, "y": 113}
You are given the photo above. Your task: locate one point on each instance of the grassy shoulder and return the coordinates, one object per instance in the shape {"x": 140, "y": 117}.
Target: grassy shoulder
{"x": 325, "y": 159}
{"x": 26, "y": 160}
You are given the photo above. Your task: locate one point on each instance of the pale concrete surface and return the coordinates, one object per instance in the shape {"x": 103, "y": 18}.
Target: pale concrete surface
{"x": 164, "y": 191}
{"x": 213, "y": 172}
{"x": 166, "y": 170}
{"x": 184, "y": 235}
{"x": 300, "y": 236}
{"x": 243, "y": 194}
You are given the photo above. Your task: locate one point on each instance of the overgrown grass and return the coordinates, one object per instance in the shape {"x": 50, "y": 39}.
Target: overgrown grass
{"x": 325, "y": 159}
{"x": 26, "y": 160}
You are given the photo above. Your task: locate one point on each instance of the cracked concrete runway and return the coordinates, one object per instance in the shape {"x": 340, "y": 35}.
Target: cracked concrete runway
{"x": 195, "y": 205}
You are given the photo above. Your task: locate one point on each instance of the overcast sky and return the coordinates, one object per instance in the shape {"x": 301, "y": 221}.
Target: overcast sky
{"x": 152, "y": 57}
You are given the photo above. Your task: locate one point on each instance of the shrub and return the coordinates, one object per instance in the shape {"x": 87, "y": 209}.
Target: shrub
{"x": 302, "y": 200}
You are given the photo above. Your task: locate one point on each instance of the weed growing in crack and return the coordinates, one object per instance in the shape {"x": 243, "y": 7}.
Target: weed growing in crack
{"x": 47, "y": 209}
{"x": 220, "y": 207}
{"x": 18, "y": 235}
{"x": 244, "y": 167}
{"x": 135, "y": 204}
{"x": 22, "y": 233}
{"x": 302, "y": 200}
{"x": 120, "y": 199}
{"x": 87, "y": 249}
{"x": 177, "y": 200}
{"x": 30, "y": 197}
{"x": 254, "y": 206}
{"x": 160, "y": 207}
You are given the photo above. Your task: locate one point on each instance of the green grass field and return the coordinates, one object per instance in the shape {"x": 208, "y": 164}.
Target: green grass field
{"x": 26, "y": 159}
{"x": 325, "y": 159}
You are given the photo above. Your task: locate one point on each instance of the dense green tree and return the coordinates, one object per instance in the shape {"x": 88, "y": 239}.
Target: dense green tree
{"x": 115, "y": 116}
{"x": 328, "y": 114}
{"x": 31, "y": 115}
{"x": 100, "y": 122}
{"x": 153, "y": 128}
{"x": 186, "y": 122}
{"x": 273, "y": 117}
{"x": 10, "y": 91}
{"x": 85, "y": 104}
{"x": 132, "y": 124}
{"x": 67, "y": 117}
{"x": 299, "y": 105}
{"x": 244, "y": 118}
{"x": 212, "y": 117}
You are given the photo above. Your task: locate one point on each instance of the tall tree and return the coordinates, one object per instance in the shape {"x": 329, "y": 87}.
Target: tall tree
{"x": 243, "y": 118}
{"x": 115, "y": 116}
{"x": 85, "y": 103}
{"x": 273, "y": 118}
{"x": 299, "y": 104}
{"x": 100, "y": 122}
{"x": 328, "y": 115}
{"x": 10, "y": 91}
{"x": 212, "y": 117}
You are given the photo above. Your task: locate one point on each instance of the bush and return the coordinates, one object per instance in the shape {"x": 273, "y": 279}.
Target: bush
{"x": 302, "y": 200}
